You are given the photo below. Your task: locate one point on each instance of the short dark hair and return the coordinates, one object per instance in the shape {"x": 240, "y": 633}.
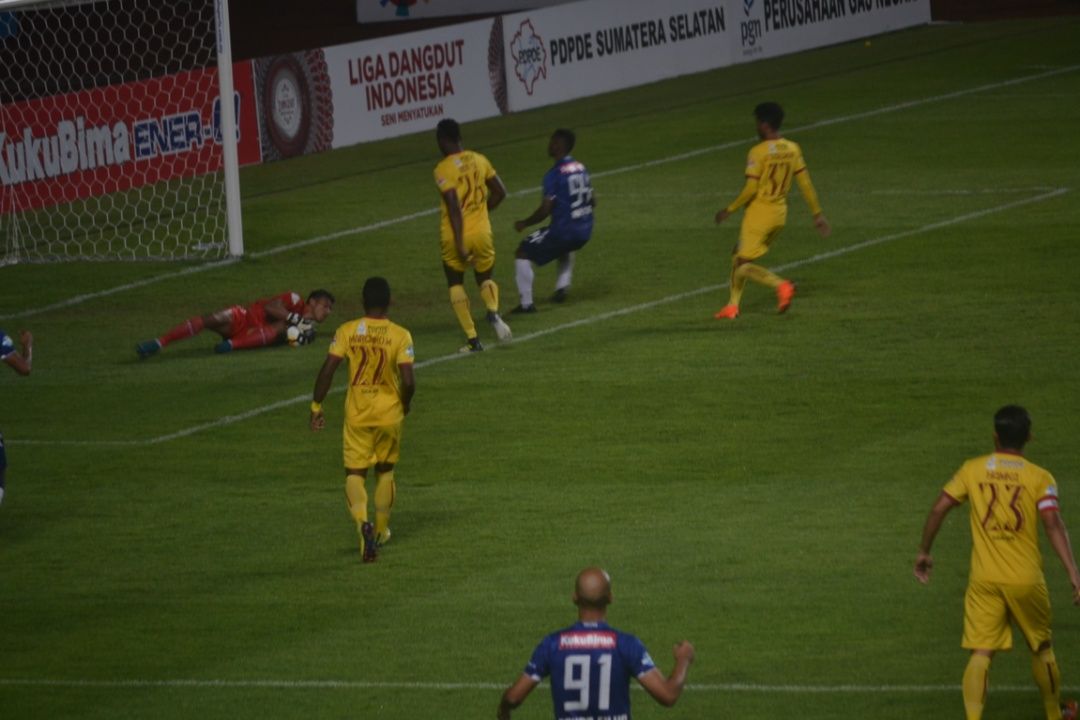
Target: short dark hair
{"x": 1013, "y": 427}
{"x": 448, "y": 130}
{"x": 770, "y": 113}
{"x": 321, "y": 294}
{"x": 566, "y": 136}
{"x": 376, "y": 293}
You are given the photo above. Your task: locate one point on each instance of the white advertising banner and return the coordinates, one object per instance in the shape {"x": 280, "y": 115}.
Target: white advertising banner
{"x": 592, "y": 47}
{"x": 408, "y": 83}
{"x": 767, "y": 28}
{"x": 384, "y": 10}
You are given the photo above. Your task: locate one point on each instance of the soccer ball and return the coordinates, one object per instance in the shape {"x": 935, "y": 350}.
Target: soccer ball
{"x": 292, "y": 336}
{"x": 302, "y": 333}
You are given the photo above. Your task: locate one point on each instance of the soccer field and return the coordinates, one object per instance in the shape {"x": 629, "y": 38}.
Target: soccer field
{"x": 174, "y": 541}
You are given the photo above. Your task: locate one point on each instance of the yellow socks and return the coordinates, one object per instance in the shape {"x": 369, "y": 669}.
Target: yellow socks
{"x": 1047, "y": 676}
{"x": 356, "y": 496}
{"x": 749, "y": 271}
{"x": 976, "y": 677}
{"x": 384, "y": 503}
{"x": 759, "y": 275}
{"x": 489, "y": 293}
{"x": 738, "y": 281}
{"x": 460, "y": 302}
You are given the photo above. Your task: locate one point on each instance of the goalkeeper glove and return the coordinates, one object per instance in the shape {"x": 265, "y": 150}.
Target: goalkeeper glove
{"x": 293, "y": 318}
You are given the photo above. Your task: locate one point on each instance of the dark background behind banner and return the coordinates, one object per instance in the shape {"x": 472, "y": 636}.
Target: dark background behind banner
{"x": 272, "y": 27}
{"x": 1000, "y": 9}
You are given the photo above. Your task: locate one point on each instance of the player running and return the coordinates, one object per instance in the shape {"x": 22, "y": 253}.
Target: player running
{"x": 261, "y": 323}
{"x": 770, "y": 167}
{"x": 568, "y": 201}
{"x": 20, "y": 362}
{"x": 469, "y": 188}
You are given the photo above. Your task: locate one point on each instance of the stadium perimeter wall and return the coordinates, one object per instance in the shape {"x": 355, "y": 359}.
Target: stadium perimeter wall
{"x": 510, "y": 63}
{"x": 308, "y": 101}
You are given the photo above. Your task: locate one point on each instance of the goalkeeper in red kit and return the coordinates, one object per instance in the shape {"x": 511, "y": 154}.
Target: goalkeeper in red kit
{"x": 264, "y": 322}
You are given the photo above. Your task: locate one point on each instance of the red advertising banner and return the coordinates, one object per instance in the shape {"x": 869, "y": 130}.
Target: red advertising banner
{"x": 63, "y": 148}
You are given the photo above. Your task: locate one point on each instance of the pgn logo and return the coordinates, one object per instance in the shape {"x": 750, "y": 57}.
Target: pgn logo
{"x": 751, "y": 32}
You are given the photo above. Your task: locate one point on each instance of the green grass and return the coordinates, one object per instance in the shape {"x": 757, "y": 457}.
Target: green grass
{"x": 757, "y": 487}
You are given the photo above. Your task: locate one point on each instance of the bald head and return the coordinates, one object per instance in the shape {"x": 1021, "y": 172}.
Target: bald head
{"x": 592, "y": 589}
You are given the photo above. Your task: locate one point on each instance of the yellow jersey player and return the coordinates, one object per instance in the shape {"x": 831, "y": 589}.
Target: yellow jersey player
{"x": 770, "y": 169}
{"x": 1007, "y": 493}
{"x": 380, "y": 392}
{"x": 469, "y": 188}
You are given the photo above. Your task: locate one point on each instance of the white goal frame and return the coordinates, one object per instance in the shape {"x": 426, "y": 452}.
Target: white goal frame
{"x": 228, "y": 238}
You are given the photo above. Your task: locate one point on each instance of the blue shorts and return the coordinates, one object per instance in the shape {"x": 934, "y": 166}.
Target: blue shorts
{"x": 3, "y": 456}
{"x": 543, "y": 246}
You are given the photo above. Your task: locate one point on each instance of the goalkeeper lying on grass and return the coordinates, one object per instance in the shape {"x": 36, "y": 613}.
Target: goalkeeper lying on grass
{"x": 273, "y": 320}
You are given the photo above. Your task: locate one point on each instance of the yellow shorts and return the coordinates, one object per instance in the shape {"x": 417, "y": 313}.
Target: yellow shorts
{"x": 480, "y": 245}
{"x": 759, "y": 229}
{"x": 988, "y": 608}
{"x": 367, "y": 446}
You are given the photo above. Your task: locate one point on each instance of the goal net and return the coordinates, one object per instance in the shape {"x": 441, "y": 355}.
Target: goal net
{"x": 112, "y": 136}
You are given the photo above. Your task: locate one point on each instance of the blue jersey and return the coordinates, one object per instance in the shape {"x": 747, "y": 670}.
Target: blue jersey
{"x": 568, "y": 185}
{"x": 590, "y": 665}
{"x": 7, "y": 345}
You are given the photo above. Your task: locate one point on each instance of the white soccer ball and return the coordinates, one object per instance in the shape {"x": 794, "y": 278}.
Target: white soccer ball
{"x": 292, "y": 336}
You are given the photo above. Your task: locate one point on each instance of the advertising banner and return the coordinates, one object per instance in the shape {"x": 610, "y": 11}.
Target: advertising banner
{"x": 62, "y": 148}
{"x": 587, "y": 48}
{"x": 408, "y": 83}
{"x": 383, "y": 10}
{"x": 767, "y": 28}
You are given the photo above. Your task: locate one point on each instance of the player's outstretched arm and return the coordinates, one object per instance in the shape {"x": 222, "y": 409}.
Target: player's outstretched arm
{"x": 541, "y": 213}
{"x": 515, "y": 695}
{"x": 322, "y": 386}
{"x": 496, "y": 192}
{"x": 22, "y": 362}
{"x": 748, "y": 192}
{"x": 923, "y": 562}
{"x": 806, "y": 187}
{"x": 457, "y": 222}
{"x": 1059, "y": 539}
{"x": 408, "y": 385}
{"x": 666, "y": 691}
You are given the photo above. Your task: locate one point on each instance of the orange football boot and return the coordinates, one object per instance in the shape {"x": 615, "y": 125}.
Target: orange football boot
{"x": 785, "y": 293}
{"x": 728, "y": 312}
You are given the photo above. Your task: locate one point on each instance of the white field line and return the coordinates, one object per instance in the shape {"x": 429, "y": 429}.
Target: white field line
{"x": 848, "y": 689}
{"x": 861, "y": 192}
{"x": 79, "y": 299}
{"x": 593, "y": 319}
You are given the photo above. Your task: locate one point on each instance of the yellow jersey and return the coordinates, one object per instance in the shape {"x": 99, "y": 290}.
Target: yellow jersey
{"x": 468, "y": 173}
{"x": 1006, "y": 493}
{"x": 772, "y": 165}
{"x": 375, "y": 348}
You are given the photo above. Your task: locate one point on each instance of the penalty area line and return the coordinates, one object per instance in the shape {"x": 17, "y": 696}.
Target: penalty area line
{"x": 907, "y": 105}
{"x": 591, "y": 320}
{"x": 268, "y": 684}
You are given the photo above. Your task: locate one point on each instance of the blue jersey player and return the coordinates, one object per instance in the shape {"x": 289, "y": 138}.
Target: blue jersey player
{"x": 20, "y": 363}
{"x": 590, "y": 663}
{"x": 568, "y": 201}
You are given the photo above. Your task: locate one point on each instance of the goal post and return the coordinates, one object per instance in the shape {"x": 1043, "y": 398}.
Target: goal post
{"x": 115, "y": 143}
